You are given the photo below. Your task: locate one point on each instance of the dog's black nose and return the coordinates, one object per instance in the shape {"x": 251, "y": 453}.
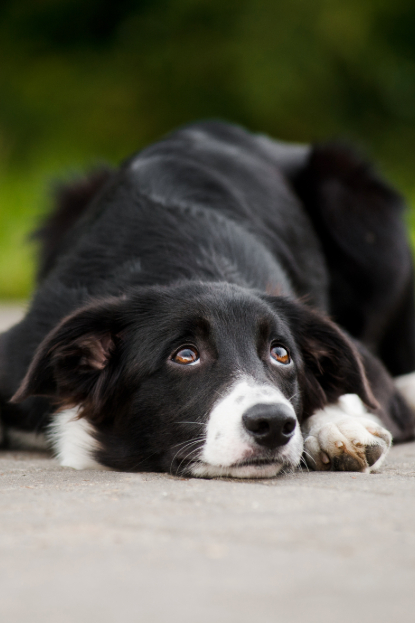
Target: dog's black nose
{"x": 270, "y": 425}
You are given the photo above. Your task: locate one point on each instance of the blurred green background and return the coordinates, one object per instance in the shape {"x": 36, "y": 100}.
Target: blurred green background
{"x": 86, "y": 81}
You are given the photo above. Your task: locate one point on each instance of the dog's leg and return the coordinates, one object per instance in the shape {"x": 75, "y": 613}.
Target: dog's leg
{"x": 345, "y": 437}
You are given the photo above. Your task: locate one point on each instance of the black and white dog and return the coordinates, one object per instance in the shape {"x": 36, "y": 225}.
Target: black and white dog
{"x": 181, "y": 318}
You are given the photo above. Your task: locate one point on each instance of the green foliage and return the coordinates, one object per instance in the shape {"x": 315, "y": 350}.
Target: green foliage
{"x": 88, "y": 80}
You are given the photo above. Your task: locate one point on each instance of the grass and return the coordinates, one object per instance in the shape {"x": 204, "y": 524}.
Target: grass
{"x": 26, "y": 195}
{"x": 20, "y": 208}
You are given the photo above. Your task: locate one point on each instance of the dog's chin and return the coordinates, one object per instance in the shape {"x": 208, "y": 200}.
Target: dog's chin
{"x": 244, "y": 469}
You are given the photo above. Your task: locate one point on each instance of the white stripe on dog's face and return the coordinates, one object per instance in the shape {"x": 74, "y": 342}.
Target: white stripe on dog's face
{"x": 227, "y": 441}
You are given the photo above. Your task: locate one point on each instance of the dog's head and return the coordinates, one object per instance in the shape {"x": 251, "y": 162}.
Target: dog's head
{"x": 200, "y": 379}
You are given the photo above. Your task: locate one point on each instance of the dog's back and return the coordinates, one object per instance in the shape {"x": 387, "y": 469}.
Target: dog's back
{"x": 207, "y": 177}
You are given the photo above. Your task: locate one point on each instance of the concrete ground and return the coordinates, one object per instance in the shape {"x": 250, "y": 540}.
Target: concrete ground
{"x": 147, "y": 548}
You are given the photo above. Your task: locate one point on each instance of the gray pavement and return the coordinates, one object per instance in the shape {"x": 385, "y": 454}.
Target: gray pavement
{"x": 105, "y": 546}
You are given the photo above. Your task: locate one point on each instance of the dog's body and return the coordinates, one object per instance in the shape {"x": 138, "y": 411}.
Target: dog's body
{"x": 180, "y": 321}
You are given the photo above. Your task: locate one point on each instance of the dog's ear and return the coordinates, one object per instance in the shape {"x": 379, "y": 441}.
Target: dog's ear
{"x": 332, "y": 364}
{"x": 75, "y": 363}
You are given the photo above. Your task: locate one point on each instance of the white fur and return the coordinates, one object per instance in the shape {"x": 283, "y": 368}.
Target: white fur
{"x": 406, "y": 385}
{"x": 228, "y": 443}
{"x": 73, "y": 441}
{"x": 203, "y": 470}
{"x": 344, "y": 430}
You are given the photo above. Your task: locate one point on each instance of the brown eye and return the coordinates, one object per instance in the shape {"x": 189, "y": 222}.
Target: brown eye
{"x": 279, "y": 354}
{"x": 186, "y": 356}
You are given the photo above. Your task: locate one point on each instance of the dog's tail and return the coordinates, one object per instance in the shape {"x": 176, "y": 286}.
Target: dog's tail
{"x": 71, "y": 201}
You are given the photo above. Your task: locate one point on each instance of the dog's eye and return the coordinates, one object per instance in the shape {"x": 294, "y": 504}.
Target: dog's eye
{"x": 279, "y": 354}
{"x": 186, "y": 356}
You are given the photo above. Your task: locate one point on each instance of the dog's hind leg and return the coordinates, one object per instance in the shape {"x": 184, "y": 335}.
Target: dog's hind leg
{"x": 358, "y": 219}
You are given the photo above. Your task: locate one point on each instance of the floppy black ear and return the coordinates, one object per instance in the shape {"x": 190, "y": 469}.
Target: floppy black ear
{"x": 75, "y": 361}
{"x": 332, "y": 364}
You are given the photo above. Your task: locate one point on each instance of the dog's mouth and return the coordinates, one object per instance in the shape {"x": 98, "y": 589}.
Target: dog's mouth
{"x": 258, "y": 462}
{"x": 249, "y": 468}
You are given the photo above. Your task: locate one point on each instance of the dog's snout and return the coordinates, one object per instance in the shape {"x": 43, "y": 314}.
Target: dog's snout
{"x": 270, "y": 425}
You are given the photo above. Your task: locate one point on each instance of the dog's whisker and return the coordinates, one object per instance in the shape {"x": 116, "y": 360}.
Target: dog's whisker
{"x": 303, "y": 462}
{"x": 181, "y": 443}
{"x": 142, "y": 461}
{"x": 293, "y": 396}
{"x": 187, "y": 445}
{"x": 191, "y": 453}
{"x": 309, "y": 456}
{"x": 187, "y": 457}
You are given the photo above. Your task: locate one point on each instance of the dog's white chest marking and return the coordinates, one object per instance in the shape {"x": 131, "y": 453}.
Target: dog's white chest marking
{"x": 345, "y": 437}
{"x": 72, "y": 441}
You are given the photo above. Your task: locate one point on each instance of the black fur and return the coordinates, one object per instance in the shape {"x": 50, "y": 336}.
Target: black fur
{"x": 358, "y": 220}
{"x": 71, "y": 201}
{"x": 217, "y": 237}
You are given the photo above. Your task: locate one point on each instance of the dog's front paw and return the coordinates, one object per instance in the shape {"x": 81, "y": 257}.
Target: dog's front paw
{"x": 343, "y": 438}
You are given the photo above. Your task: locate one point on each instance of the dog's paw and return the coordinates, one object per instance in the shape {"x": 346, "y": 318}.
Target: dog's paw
{"x": 344, "y": 437}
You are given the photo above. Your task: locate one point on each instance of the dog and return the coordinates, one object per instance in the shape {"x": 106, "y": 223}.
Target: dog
{"x": 222, "y": 305}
